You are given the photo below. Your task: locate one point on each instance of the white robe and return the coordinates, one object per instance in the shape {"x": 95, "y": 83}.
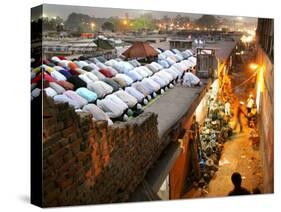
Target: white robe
{"x": 190, "y": 79}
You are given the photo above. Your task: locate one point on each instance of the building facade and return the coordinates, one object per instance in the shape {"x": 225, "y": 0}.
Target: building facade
{"x": 265, "y": 99}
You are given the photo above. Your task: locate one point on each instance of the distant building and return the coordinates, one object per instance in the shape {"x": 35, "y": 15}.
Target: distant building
{"x": 180, "y": 44}
{"x": 52, "y": 48}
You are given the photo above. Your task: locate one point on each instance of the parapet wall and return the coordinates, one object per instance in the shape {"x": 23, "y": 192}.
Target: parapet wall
{"x": 86, "y": 162}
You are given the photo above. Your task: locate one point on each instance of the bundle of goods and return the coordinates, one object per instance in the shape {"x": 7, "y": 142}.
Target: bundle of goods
{"x": 213, "y": 134}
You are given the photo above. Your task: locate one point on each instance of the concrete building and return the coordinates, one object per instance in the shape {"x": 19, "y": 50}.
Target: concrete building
{"x": 265, "y": 98}
{"x": 181, "y": 44}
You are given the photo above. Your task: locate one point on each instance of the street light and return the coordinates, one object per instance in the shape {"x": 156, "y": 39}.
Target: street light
{"x": 93, "y": 26}
{"x": 254, "y": 66}
{"x": 125, "y": 22}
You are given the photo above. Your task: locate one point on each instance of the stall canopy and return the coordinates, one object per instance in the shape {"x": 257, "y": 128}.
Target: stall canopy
{"x": 140, "y": 50}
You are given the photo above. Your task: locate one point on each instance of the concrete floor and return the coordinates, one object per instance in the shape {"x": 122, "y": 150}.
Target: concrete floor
{"x": 239, "y": 155}
{"x": 173, "y": 105}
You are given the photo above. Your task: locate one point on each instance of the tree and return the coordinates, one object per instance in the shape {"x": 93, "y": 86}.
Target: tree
{"x": 143, "y": 23}
{"x": 108, "y": 26}
{"x": 81, "y": 28}
{"x": 59, "y": 28}
{"x": 181, "y": 20}
{"x": 207, "y": 21}
{"x": 74, "y": 21}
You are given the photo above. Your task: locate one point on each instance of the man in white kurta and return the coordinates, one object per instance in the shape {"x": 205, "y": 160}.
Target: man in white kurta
{"x": 190, "y": 80}
{"x": 127, "y": 98}
{"x": 250, "y": 103}
{"x": 111, "y": 108}
{"x": 227, "y": 108}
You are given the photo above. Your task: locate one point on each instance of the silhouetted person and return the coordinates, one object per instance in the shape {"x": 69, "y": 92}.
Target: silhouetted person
{"x": 256, "y": 191}
{"x": 238, "y": 190}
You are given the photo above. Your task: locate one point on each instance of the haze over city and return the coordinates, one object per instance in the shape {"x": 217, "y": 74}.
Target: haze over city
{"x": 63, "y": 11}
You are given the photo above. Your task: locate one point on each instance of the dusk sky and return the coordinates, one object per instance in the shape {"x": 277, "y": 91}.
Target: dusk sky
{"x": 64, "y": 10}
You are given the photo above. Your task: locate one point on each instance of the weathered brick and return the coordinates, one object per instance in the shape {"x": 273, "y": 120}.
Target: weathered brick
{"x": 67, "y": 131}
{"x": 91, "y": 162}
{"x": 63, "y": 142}
{"x": 52, "y": 139}
{"x": 67, "y": 156}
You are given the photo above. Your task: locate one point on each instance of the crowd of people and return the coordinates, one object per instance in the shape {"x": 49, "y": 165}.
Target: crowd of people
{"x": 112, "y": 89}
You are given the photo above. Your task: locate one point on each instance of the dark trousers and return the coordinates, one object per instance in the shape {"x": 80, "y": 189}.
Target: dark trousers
{"x": 239, "y": 121}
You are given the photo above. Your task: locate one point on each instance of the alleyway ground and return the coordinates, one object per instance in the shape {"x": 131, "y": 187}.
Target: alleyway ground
{"x": 238, "y": 154}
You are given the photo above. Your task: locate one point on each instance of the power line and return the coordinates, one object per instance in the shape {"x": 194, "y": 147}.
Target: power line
{"x": 241, "y": 84}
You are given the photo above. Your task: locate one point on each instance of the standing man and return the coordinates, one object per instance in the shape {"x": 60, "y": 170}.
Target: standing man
{"x": 227, "y": 108}
{"x": 239, "y": 114}
{"x": 250, "y": 103}
{"x": 238, "y": 189}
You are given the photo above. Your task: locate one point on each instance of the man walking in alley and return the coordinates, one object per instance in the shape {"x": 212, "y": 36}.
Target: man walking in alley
{"x": 239, "y": 114}
{"x": 238, "y": 189}
{"x": 250, "y": 103}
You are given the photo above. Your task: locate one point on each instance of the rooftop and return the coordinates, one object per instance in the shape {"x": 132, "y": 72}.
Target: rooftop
{"x": 180, "y": 40}
{"x": 223, "y": 48}
{"x": 173, "y": 105}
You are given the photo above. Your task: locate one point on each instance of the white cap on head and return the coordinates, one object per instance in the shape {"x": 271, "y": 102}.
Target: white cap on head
{"x": 125, "y": 117}
{"x": 145, "y": 101}
{"x": 139, "y": 106}
{"x": 109, "y": 122}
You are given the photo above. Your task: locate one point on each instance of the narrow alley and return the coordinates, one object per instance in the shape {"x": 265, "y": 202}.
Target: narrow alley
{"x": 240, "y": 153}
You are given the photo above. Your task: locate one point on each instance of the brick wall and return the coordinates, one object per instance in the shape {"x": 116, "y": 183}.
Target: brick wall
{"x": 86, "y": 162}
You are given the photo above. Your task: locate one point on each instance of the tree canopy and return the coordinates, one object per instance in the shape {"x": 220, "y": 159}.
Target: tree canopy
{"x": 181, "y": 20}
{"x": 75, "y": 20}
{"x": 108, "y": 26}
{"x": 143, "y": 23}
{"x": 52, "y": 23}
{"x": 207, "y": 21}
